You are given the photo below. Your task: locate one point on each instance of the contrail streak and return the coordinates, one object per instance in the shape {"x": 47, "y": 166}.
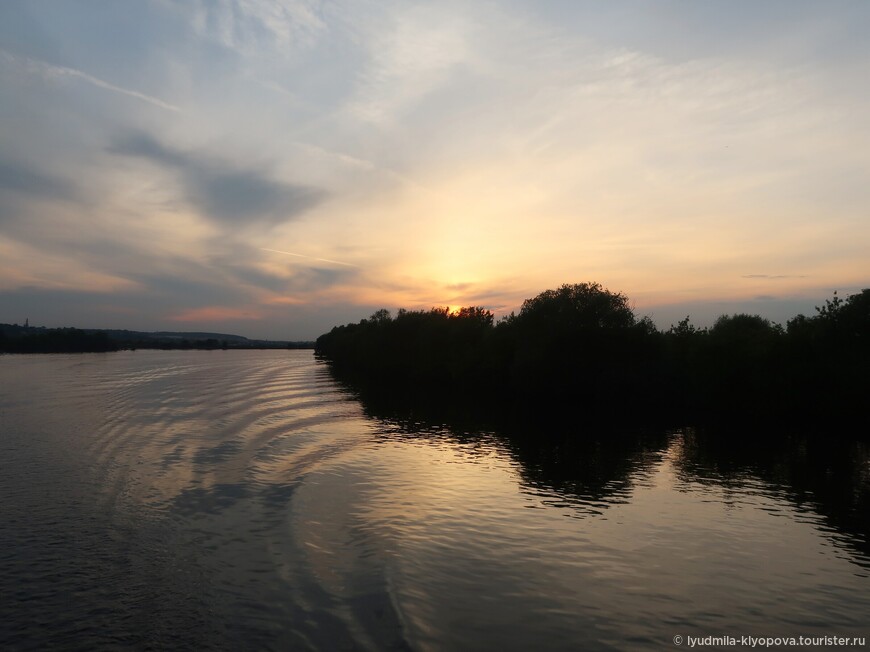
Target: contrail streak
{"x": 323, "y": 260}
{"x": 49, "y": 70}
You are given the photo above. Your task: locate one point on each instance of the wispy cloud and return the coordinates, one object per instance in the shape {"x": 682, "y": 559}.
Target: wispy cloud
{"x": 21, "y": 178}
{"x": 409, "y": 60}
{"x": 323, "y": 260}
{"x": 223, "y": 192}
{"x": 253, "y": 155}
{"x": 50, "y": 71}
{"x": 245, "y": 24}
{"x": 24, "y": 189}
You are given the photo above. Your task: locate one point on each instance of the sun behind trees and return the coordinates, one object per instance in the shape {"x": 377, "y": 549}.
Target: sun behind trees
{"x": 580, "y": 349}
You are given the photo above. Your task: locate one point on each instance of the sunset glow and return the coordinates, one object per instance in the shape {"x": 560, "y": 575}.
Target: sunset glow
{"x": 277, "y": 168}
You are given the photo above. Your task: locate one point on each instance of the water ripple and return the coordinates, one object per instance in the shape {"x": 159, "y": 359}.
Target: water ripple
{"x": 223, "y": 500}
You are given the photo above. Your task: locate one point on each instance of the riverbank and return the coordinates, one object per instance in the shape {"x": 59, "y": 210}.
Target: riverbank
{"x": 581, "y": 352}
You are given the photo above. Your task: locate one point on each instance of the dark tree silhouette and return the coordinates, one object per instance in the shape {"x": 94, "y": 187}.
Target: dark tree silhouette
{"x": 580, "y": 351}
{"x": 580, "y": 306}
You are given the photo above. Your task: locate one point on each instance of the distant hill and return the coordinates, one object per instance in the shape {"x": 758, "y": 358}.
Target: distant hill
{"x": 126, "y": 335}
{"x": 15, "y": 338}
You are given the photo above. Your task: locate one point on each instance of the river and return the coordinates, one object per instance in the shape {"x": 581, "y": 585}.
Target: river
{"x": 245, "y": 500}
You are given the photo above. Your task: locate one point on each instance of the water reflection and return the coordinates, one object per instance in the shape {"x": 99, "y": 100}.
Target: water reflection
{"x": 261, "y": 505}
{"x": 664, "y": 539}
{"x": 589, "y": 467}
{"x": 824, "y": 474}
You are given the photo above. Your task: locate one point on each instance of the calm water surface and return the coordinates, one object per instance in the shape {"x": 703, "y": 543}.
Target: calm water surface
{"x": 244, "y": 500}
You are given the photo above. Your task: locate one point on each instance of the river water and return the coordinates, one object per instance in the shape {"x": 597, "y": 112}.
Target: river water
{"x": 245, "y": 500}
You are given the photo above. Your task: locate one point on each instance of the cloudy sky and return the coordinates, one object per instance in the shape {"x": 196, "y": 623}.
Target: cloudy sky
{"x": 274, "y": 167}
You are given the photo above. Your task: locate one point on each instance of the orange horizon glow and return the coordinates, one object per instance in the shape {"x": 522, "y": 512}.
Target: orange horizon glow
{"x": 542, "y": 147}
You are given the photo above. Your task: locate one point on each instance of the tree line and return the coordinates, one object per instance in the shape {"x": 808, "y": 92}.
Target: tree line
{"x": 54, "y": 340}
{"x": 38, "y": 339}
{"x": 581, "y": 349}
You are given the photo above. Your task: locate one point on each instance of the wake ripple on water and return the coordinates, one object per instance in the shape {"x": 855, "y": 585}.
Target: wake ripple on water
{"x": 243, "y": 500}
{"x": 155, "y": 507}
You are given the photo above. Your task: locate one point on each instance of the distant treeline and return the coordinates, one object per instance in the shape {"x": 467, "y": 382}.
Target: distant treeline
{"x": 31, "y": 339}
{"x": 54, "y": 340}
{"x": 581, "y": 350}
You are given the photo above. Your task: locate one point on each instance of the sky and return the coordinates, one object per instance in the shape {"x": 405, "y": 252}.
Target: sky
{"x": 272, "y": 168}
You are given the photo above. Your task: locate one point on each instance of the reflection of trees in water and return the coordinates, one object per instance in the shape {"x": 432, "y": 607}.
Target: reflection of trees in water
{"x": 590, "y": 465}
{"x": 576, "y": 461}
{"x": 828, "y": 474}
{"x": 597, "y": 466}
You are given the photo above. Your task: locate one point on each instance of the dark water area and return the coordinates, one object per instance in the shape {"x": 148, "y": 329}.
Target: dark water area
{"x": 246, "y": 500}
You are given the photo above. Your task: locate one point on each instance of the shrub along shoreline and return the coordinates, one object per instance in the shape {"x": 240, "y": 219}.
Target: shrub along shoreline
{"x": 580, "y": 350}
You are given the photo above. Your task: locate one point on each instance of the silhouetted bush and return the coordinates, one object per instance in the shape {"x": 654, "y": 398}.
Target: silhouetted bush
{"x": 582, "y": 345}
{"x": 581, "y": 350}
{"x": 435, "y": 349}
{"x": 829, "y": 356}
{"x": 740, "y": 367}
